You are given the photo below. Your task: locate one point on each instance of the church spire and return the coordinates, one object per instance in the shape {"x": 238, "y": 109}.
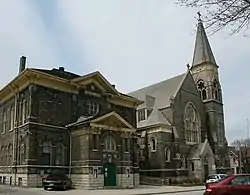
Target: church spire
{"x": 202, "y": 50}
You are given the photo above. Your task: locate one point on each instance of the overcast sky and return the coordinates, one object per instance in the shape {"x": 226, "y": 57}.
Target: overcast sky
{"x": 132, "y": 43}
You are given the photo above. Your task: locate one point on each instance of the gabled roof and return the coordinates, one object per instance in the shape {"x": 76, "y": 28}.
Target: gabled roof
{"x": 162, "y": 91}
{"x": 95, "y": 119}
{"x": 202, "y": 50}
{"x": 58, "y": 73}
{"x": 155, "y": 118}
{"x": 96, "y": 75}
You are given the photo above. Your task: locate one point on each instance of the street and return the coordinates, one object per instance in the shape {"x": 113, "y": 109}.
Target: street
{"x": 4, "y": 190}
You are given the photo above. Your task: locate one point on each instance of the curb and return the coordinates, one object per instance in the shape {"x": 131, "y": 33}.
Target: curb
{"x": 173, "y": 192}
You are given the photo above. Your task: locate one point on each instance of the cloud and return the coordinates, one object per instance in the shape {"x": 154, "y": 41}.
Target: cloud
{"x": 22, "y": 33}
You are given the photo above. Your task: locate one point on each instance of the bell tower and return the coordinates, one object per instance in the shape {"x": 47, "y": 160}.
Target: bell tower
{"x": 205, "y": 72}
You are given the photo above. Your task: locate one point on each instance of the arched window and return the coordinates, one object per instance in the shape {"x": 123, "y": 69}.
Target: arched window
{"x": 191, "y": 124}
{"x": 153, "y": 144}
{"x": 46, "y": 153}
{"x": 167, "y": 154}
{"x": 92, "y": 107}
{"x": 220, "y": 136}
{"x": 59, "y": 154}
{"x": 216, "y": 93}
{"x": 202, "y": 90}
{"x": 109, "y": 143}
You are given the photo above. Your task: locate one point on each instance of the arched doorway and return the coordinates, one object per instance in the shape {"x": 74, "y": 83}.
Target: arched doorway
{"x": 109, "y": 170}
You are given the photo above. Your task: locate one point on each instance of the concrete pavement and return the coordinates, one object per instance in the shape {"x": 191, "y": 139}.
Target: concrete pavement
{"x": 141, "y": 190}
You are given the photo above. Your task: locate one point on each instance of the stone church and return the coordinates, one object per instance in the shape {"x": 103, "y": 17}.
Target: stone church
{"x": 181, "y": 122}
{"x": 58, "y": 121}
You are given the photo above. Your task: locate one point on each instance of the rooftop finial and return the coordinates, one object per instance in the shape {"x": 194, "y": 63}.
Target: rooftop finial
{"x": 199, "y": 16}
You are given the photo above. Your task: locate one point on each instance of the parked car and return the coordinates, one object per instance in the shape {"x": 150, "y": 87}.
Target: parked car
{"x": 236, "y": 184}
{"x": 215, "y": 177}
{"x": 57, "y": 181}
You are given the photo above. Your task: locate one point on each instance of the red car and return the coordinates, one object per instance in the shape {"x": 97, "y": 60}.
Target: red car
{"x": 236, "y": 184}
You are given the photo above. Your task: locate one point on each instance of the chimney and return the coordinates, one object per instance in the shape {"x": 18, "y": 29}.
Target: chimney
{"x": 113, "y": 86}
{"x": 22, "y": 64}
{"x": 61, "y": 69}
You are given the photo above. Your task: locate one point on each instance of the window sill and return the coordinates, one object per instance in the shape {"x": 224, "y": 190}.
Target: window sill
{"x": 95, "y": 150}
{"x": 126, "y": 152}
{"x": 152, "y": 150}
{"x": 192, "y": 143}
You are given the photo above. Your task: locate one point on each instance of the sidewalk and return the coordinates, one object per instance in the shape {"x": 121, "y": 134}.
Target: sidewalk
{"x": 142, "y": 190}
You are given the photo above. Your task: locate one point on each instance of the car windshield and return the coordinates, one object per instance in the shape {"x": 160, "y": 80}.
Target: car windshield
{"x": 223, "y": 176}
{"x": 212, "y": 177}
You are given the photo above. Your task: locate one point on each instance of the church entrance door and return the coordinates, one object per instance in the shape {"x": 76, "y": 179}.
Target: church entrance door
{"x": 109, "y": 170}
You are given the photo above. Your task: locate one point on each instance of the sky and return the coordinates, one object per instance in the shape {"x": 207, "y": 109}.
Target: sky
{"x": 132, "y": 43}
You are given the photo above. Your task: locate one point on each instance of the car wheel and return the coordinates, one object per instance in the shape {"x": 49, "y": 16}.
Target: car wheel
{"x": 65, "y": 187}
{"x": 45, "y": 188}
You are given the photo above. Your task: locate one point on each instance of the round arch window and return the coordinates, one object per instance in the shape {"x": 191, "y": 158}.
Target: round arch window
{"x": 92, "y": 107}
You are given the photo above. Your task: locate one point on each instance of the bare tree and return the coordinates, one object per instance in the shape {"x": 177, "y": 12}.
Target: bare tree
{"x": 241, "y": 143}
{"x": 222, "y": 13}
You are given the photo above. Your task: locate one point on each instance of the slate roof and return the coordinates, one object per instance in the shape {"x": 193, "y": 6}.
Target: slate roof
{"x": 162, "y": 91}
{"x": 155, "y": 118}
{"x": 202, "y": 50}
{"x": 56, "y": 72}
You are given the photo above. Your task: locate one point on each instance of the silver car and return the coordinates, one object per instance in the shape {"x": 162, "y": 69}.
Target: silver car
{"x": 215, "y": 177}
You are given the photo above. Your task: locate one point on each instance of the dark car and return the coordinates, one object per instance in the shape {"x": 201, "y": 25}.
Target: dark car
{"x": 236, "y": 184}
{"x": 57, "y": 181}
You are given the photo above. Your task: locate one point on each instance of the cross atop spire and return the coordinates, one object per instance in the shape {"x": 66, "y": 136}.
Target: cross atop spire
{"x": 202, "y": 50}
{"x": 199, "y": 15}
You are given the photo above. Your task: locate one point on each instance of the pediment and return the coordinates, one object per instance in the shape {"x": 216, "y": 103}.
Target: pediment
{"x": 112, "y": 119}
{"x": 96, "y": 82}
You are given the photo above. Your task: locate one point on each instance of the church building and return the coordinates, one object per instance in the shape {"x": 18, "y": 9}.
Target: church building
{"x": 81, "y": 125}
{"x": 181, "y": 122}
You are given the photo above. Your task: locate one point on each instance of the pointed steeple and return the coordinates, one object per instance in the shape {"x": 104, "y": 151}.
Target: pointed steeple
{"x": 202, "y": 50}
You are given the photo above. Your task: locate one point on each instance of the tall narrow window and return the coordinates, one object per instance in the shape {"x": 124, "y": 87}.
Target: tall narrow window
{"x": 22, "y": 151}
{"x": 141, "y": 115}
{"x": 126, "y": 140}
{"x": 46, "y": 154}
{"x": 10, "y": 154}
{"x": 2, "y": 155}
{"x": 23, "y": 111}
{"x": 12, "y": 118}
{"x": 192, "y": 166}
{"x": 167, "y": 154}
{"x": 59, "y": 154}
{"x": 95, "y": 141}
{"x": 6, "y": 155}
{"x": 191, "y": 124}
{"x": 4, "y": 121}
{"x": 153, "y": 144}
{"x": 202, "y": 90}
{"x": 216, "y": 90}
